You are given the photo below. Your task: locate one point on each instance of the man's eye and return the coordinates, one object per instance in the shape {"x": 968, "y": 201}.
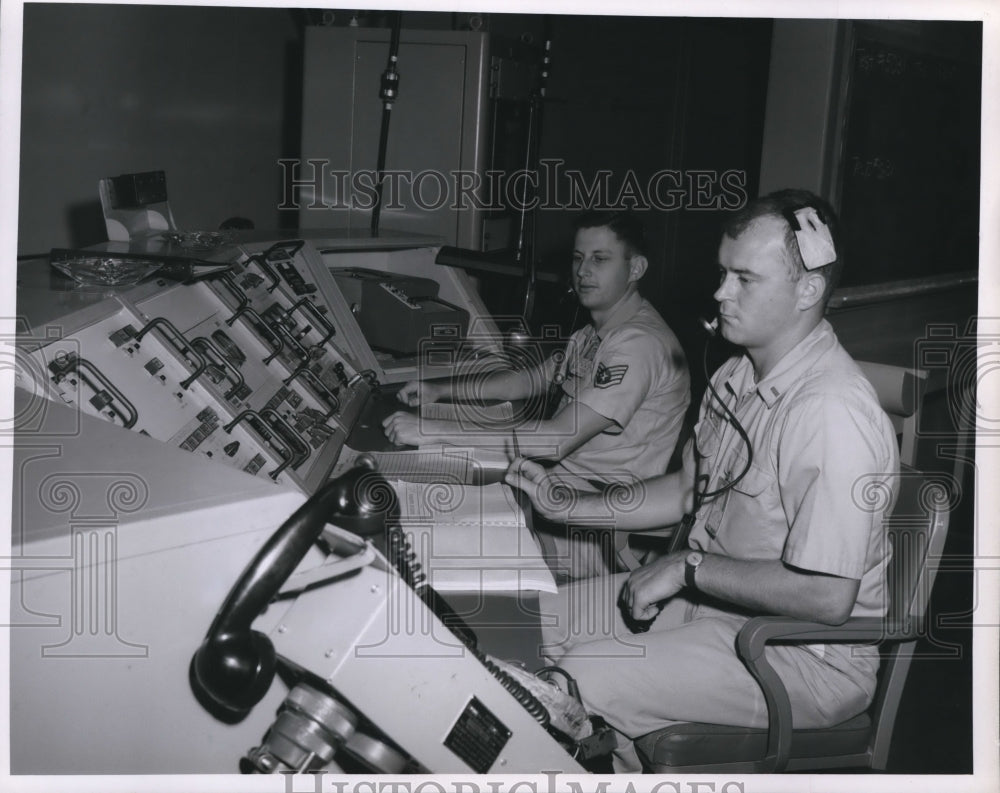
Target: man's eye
{"x": 743, "y": 279}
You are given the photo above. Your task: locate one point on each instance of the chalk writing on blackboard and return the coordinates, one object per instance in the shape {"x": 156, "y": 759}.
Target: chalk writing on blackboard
{"x": 909, "y": 167}
{"x": 884, "y": 61}
{"x": 871, "y": 167}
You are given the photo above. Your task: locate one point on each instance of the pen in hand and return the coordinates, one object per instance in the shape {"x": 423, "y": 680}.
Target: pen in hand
{"x": 518, "y": 470}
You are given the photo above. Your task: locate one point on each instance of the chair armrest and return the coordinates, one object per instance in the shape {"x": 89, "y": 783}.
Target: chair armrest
{"x": 751, "y": 641}
{"x": 760, "y": 631}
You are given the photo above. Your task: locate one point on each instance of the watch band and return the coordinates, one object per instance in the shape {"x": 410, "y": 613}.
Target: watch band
{"x": 691, "y": 564}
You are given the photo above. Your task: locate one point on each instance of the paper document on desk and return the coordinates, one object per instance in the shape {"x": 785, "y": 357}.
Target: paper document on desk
{"x": 471, "y": 414}
{"x": 450, "y": 464}
{"x": 472, "y": 539}
{"x": 484, "y": 458}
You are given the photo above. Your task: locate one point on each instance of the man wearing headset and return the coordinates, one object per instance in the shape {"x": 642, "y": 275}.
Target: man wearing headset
{"x": 786, "y": 444}
{"x": 624, "y": 381}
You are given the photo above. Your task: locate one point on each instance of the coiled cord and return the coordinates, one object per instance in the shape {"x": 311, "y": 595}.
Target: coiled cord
{"x": 405, "y": 561}
{"x": 528, "y": 700}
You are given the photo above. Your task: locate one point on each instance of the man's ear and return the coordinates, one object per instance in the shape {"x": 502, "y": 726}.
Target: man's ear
{"x": 811, "y": 289}
{"x": 637, "y": 268}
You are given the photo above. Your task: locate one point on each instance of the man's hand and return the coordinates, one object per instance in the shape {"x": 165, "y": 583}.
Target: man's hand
{"x": 404, "y": 429}
{"x": 548, "y": 495}
{"x": 651, "y": 584}
{"x": 418, "y": 392}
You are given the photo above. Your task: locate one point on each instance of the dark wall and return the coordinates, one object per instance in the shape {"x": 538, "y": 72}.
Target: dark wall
{"x": 679, "y": 95}
{"x": 657, "y": 94}
{"x": 200, "y": 93}
{"x": 212, "y": 97}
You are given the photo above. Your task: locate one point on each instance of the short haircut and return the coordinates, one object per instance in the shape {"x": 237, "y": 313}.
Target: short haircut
{"x": 781, "y": 205}
{"x": 626, "y": 226}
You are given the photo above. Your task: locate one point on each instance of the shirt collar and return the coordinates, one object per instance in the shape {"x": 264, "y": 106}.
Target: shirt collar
{"x": 788, "y": 370}
{"x": 625, "y": 311}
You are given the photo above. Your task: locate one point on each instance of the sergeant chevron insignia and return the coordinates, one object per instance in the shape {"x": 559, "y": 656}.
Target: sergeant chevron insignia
{"x": 606, "y": 376}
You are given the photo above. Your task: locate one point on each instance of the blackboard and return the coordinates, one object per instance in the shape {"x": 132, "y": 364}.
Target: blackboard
{"x": 910, "y": 154}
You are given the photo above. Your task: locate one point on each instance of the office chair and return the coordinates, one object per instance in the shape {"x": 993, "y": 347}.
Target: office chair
{"x": 916, "y": 528}
{"x": 901, "y": 393}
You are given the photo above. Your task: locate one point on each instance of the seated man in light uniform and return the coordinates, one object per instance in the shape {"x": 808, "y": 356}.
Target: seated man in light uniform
{"x": 624, "y": 381}
{"x": 787, "y": 531}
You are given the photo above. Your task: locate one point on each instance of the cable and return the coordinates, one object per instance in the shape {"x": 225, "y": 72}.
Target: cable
{"x": 388, "y": 93}
{"x": 528, "y": 700}
{"x": 571, "y": 685}
{"x": 700, "y": 497}
{"x": 404, "y": 560}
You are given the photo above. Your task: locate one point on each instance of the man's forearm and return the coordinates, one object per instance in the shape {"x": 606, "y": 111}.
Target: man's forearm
{"x": 762, "y": 586}
{"x": 433, "y": 431}
{"x": 633, "y": 506}
{"x": 771, "y": 587}
{"x": 502, "y": 385}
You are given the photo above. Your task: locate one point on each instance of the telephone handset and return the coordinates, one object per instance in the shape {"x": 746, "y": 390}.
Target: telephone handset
{"x": 233, "y": 668}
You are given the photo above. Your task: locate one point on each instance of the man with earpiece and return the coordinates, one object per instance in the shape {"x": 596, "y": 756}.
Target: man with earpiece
{"x": 790, "y": 435}
{"x": 624, "y": 383}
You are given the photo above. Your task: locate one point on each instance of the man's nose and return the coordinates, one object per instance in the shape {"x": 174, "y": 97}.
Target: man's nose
{"x": 724, "y": 290}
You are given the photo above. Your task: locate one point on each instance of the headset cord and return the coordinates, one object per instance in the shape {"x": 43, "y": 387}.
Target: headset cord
{"x": 700, "y": 496}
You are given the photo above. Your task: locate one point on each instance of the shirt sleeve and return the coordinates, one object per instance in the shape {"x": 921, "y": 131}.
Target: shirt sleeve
{"x": 835, "y": 448}
{"x": 625, "y": 371}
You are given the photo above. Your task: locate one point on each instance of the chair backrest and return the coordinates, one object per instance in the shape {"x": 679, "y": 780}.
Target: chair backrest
{"x": 900, "y": 391}
{"x": 916, "y": 528}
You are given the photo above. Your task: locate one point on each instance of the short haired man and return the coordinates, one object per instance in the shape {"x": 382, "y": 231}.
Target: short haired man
{"x": 624, "y": 380}
{"x": 778, "y": 527}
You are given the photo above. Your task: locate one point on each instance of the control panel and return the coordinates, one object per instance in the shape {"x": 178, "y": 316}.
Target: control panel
{"x": 400, "y": 314}
{"x": 400, "y": 295}
{"x": 243, "y": 368}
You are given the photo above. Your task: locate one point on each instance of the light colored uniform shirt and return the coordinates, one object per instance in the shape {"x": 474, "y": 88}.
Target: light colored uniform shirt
{"x": 634, "y": 373}
{"x": 824, "y": 471}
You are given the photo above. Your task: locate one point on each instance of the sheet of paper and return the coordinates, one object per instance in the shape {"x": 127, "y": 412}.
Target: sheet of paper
{"x": 447, "y": 503}
{"x": 472, "y": 539}
{"x": 452, "y": 464}
{"x": 473, "y": 414}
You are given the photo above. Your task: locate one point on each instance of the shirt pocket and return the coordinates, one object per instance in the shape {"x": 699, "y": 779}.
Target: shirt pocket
{"x": 754, "y": 482}
{"x": 708, "y": 436}
{"x": 744, "y": 505}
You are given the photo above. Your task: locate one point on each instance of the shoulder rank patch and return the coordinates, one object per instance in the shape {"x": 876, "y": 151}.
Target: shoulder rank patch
{"x": 606, "y": 376}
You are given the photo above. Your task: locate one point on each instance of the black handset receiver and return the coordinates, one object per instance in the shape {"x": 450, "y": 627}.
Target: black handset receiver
{"x": 235, "y": 665}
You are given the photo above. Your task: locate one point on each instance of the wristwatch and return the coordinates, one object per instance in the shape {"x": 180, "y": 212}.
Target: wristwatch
{"x": 691, "y": 564}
